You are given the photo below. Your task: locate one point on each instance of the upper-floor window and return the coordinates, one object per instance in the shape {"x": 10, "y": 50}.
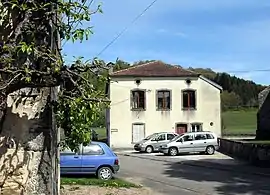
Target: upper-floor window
{"x": 138, "y": 99}
{"x": 189, "y": 99}
{"x": 163, "y": 100}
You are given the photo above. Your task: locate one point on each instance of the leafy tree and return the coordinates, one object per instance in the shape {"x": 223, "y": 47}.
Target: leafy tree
{"x": 120, "y": 64}
{"x": 230, "y": 100}
{"x": 142, "y": 62}
{"x": 30, "y": 33}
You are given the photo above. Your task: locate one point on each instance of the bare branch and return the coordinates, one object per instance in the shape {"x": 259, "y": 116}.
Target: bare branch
{"x": 89, "y": 99}
{"x": 11, "y": 81}
{"x": 78, "y": 75}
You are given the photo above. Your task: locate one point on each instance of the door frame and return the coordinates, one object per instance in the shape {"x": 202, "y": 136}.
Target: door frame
{"x": 181, "y": 123}
{"x": 132, "y": 130}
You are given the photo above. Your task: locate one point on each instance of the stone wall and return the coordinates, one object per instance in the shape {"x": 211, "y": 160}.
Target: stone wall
{"x": 263, "y": 115}
{"x": 256, "y": 154}
{"x": 25, "y": 145}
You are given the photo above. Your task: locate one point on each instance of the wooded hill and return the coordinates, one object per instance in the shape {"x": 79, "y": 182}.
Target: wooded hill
{"x": 237, "y": 93}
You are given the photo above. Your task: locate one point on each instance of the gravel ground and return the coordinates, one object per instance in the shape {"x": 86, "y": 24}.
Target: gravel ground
{"x": 95, "y": 190}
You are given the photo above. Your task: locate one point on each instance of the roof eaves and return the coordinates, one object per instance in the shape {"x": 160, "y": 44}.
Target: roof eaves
{"x": 211, "y": 82}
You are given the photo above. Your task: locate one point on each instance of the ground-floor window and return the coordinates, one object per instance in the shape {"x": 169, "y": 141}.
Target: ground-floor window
{"x": 196, "y": 127}
{"x": 138, "y": 132}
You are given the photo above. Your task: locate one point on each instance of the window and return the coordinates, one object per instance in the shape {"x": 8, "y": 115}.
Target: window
{"x": 92, "y": 149}
{"x": 138, "y": 99}
{"x": 163, "y": 100}
{"x": 162, "y": 137}
{"x": 170, "y": 136}
{"x": 68, "y": 151}
{"x": 200, "y": 137}
{"x": 209, "y": 136}
{"x": 187, "y": 138}
{"x": 189, "y": 99}
{"x": 195, "y": 127}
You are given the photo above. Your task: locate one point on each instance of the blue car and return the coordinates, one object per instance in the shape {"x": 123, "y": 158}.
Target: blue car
{"x": 96, "y": 158}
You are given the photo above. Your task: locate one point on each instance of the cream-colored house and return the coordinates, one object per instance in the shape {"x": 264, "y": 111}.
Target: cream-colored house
{"x": 157, "y": 97}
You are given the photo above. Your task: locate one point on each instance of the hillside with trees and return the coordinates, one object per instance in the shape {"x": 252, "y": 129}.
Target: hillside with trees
{"x": 237, "y": 93}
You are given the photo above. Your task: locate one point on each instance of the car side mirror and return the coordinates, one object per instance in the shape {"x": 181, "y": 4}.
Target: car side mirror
{"x": 180, "y": 140}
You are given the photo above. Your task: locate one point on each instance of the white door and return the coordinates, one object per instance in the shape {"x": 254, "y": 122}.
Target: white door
{"x": 137, "y": 132}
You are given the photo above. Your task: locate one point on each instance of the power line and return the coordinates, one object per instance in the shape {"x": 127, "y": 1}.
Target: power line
{"x": 248, "y": 71}
{"x": 76, "y": 25}
{"x": 237, "y": 71}
{"x": 126, "y": 28}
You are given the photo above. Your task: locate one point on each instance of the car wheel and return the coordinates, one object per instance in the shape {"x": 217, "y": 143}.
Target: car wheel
{"x": 149, "y": 149}
{"x": 105, "y": 173}
{"x": 210, "y": 150}
{"x": 173, "y": 151}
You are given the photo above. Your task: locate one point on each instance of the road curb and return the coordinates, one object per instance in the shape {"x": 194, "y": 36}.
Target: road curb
{"x": 201, "y": 164}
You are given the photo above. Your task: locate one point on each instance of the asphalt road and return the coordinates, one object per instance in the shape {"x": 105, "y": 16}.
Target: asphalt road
{"x": 173, "y": 178}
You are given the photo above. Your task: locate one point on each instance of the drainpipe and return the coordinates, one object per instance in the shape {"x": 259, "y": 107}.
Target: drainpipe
{"x": 107, "y": 115}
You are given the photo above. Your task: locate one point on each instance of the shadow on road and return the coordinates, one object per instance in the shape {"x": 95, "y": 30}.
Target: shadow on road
{"x": 228, "y": 182}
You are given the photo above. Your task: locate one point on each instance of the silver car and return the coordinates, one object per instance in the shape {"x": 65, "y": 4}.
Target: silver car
{"x": 205, "y": 141}
{"x": 153, "y": 142}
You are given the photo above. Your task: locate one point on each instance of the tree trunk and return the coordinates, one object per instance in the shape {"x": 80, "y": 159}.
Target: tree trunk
{"x": 26, "y": 140}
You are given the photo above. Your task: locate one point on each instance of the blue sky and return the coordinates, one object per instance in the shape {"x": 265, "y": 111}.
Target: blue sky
{"x": 224, "y": 35}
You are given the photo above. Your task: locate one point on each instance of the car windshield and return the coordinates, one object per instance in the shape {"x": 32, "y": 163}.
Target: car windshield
{"x": 150, "y": 136}
{"x": 176, "y": 137}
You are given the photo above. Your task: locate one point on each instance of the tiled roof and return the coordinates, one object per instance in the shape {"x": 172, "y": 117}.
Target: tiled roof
{"x": 155, "y": 69}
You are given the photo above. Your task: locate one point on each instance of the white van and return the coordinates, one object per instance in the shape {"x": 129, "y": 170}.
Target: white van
{"x": 204, "y": 141}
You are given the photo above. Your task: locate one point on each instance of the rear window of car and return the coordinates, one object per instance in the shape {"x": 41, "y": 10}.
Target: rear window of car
{"x": 170, "y": 136}
{"x": 93, "y": 149}
{"x": 200, "y": 137}
{"x": 209, "y": 136}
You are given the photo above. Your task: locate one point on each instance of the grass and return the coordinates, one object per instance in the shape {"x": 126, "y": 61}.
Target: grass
{"x": 240, "y": 122}
{"x": 116, "y": 183}
{"x": 101, "y": 131}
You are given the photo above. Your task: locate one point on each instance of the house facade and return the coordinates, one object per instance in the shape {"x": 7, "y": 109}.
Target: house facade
{"x": 156, "y": 97}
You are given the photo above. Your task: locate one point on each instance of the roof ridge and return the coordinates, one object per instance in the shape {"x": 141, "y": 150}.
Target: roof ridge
{"x": 155, "y": 68}
{"x": 135, "y": 66}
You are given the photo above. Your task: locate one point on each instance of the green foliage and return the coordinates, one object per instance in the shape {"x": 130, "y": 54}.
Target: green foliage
{"x": 230, "y": 100}
{"x": 76, "y": 117}
{"x": 80, "y": 105}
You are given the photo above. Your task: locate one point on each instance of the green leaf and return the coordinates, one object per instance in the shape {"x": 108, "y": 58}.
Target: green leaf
{"x": 28, "y": 79}
{"x": 13, "y": 6}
